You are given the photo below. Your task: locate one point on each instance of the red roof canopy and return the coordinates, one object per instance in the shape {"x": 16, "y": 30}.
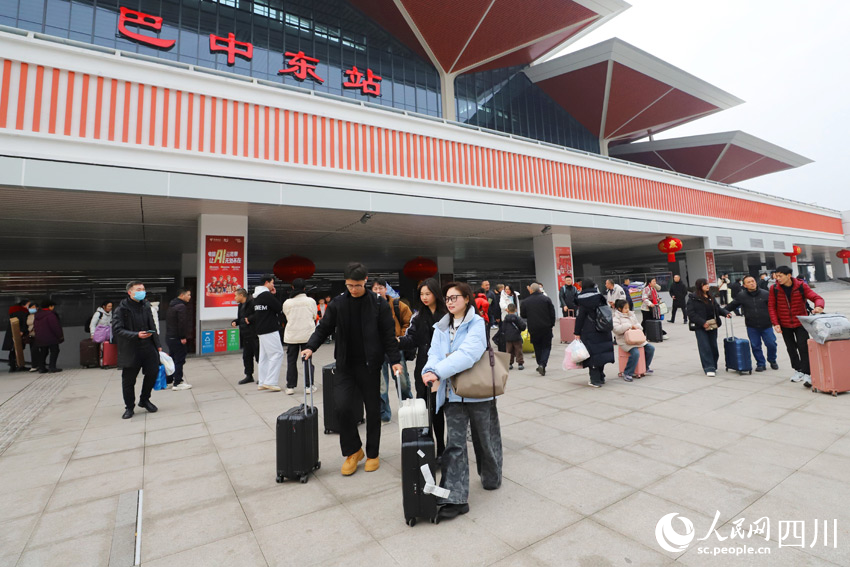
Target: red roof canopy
{"x": 621, "y": 93}
{"x": 727, "y": 157}
{"x": 459, "y": 37}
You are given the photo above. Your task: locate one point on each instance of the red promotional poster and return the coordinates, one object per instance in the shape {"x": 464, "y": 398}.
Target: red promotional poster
{"x": 565, "y": 263}
{"x": 710, "y": 269}
{"x": 220, "y": 340}
{"x": 225, "y": 270}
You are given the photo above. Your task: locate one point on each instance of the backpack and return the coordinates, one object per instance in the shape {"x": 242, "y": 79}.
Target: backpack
{"x": 87, "y": 326}
{"x": 604, "y": 319}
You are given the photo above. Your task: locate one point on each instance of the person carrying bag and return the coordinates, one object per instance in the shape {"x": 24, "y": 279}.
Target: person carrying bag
{"x": 460, "y": 357}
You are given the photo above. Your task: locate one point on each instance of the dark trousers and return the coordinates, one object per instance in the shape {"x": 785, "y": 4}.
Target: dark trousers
{"x": 796, "y": 341}
{"x": 177, "y": 350}
{"x": 42, "y": 352}
{"x": 146, "y": 360}
{"x": 438, "y": 420}
{"x": 292, "y": 358}
{"x": 482, "y": 418}
{"x": 514, "y": 348}
{"x": 250, "y": 353}
{"x": 708, "y": 352}
{"x": 358, "y": 377}
{"x": 542, "y": 344}
{"x": 597, "y": 375}
{"x": 676, "y": 307}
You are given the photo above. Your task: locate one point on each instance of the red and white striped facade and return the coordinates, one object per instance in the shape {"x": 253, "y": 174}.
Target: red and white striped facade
{"x": 50, "y": 91}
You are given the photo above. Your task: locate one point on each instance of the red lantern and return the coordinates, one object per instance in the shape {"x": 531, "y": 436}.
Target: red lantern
{"x": 793, "y": 255}
{"x": 419, "y": 269}
{"x": 844, "y": 255}
{"x": 670, "y": 246}
{"x": 294, "y": 267}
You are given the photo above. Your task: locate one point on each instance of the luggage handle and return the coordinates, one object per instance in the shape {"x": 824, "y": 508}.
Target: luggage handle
{"x": 570, "y": 313}
{"x": 728, "y": 327}
{"x": 308, "y": 382}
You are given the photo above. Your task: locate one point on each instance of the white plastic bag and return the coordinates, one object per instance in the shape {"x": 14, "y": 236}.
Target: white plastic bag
{"x": 168, "y": 362}
{"x": 826, "y": 327}
{"x": 578, "y": 351}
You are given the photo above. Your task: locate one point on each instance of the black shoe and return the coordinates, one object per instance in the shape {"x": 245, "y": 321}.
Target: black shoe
{"x": 42, "y": 370}
{"x": 148, "y": 406}
{"x": 672, "y": 321}
{"x": 760, "y": 368}
{"x": 247, "y": 380}
{"x": 128, "y": 413}
{"x": 774, "y": 366}
{"x": 541, "y": 371}
{"x": 449, "y": 511}
{"x": 54, "y": 370}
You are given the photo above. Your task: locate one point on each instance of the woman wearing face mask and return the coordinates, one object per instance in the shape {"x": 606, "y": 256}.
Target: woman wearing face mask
{"x": 459, "y": 341}
{"x": 704, "y": 314}
{"x": 418, "y": 336}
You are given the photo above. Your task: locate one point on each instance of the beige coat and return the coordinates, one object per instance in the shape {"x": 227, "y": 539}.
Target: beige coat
{"x": 300, "y": 312}
{"x": 623, "y": 323}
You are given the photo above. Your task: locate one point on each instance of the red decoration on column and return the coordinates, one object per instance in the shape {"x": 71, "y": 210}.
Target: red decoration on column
{"x": 294, "y": 267}
{"x": 844, "y": 255}
{"x": 670, "y": 246}
{"x": 793, "y": 255}
{"x": 419, "y": 269}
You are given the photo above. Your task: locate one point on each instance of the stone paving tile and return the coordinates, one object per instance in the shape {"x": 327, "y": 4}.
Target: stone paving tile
{"x": 242, "y": 550}
{"x": 581, "y": 490}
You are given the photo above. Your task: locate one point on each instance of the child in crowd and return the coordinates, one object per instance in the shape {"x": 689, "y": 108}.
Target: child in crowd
{"x": 512, "y": 328}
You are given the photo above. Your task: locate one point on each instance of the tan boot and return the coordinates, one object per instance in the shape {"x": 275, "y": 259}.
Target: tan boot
{"x": 349, "y": 467}
{"x": 372, "y": 464}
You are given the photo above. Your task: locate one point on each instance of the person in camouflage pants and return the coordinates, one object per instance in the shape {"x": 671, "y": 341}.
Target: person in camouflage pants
{"x": 483, "y": 419}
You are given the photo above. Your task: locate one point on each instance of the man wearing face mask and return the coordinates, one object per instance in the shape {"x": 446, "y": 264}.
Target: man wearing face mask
{"x": 138, "y": 347}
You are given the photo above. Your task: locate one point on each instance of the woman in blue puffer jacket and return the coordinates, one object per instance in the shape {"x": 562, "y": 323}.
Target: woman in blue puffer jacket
{"x": 459, "y": 341}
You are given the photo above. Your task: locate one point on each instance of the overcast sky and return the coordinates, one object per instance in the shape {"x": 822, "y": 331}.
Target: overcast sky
{"x": 789, "y": 60}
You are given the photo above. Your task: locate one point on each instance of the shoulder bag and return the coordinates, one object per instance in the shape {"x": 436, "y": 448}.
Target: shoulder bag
{"x": 487, "y": 377}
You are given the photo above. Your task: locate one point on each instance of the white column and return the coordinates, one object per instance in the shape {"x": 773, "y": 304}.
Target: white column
{"x": 222, "y": 253}
{"x": 447, "y": 96}
{"x": 553, "y": 260}
{"x": 701, "y": 264}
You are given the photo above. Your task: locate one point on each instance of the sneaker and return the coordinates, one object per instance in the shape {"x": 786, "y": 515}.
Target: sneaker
{"x": 247, "y": 380}
{"x": 54, "y": 370}
{"x": 385, "y": 422}
{"x": 182, "y": 386}
{"x": 34, "y": 369}
{"x": 541, "y": 370}
{"x": 797, "y": 376}
{"x": 774, "y": 366}
{"x": 710, "y": 374}
{"x": 649, "y": 371}
{"x": 807, "y": 381}
{"x": 761, "y": 368}
{"x": 289, "y": 391}
{"x": 262, "y": 387}
{"x": 628, "y": 378}
{"x": 510, "y": 366}
{"x": 520, "y": 367}
{"x": 273, "y": 388}
{"x": 314, "y": 388}
{"x": 592, "y": 385}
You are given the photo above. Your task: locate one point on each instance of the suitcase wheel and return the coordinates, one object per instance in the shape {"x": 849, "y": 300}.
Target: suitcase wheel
{"x": 279, "y": 478}
{"x": 303, "y": 479}
{"x": 327, "y": 431}
{"x": 318, "y": 465}
{"x": 834, "y": 394}
{"x": 411, "y": 522}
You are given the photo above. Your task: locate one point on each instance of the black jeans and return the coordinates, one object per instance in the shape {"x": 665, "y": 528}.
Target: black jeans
{"x": 542, "y": 343}
{"x": 250, "y": 353}
{"x": 673, "y": 313}
{"x": 708, "y": 352}
{"x": 177, "y": 350}
{"x": 42, "y": 352}
{"x": 797, "y": 344}
{"x": 147, "y": 360}
{"x": 358, "y": 377}
{"x": 292, "y": 360}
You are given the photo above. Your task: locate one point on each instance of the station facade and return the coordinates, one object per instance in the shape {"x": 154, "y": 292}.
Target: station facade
{"x": 136, "y": 136}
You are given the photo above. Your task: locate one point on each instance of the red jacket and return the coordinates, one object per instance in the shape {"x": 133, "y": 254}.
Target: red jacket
{"x": 483, "y": 306}
{"x": 785, "y": 314}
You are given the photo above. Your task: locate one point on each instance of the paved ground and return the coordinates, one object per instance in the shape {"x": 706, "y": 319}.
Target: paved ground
{"x": 588, "y": 474}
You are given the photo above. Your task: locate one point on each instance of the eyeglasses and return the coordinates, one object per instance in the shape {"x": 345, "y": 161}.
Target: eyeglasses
{"x": 452, "y": 298}
{"x": 354, "y": 286}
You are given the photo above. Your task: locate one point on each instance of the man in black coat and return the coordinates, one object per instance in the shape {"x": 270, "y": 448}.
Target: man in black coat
{"x": 736, "y": 288}
{"x": 568, "y": 296}
{"x": 753, "y": 301}
{"x": 539, "y": 311}
{"x": 177, "y": 331}
{"x": 247, "y": 337}
{"x": 266, "y": 323}
{"x": 679, "y": 293}
{"x": 365, "y": 334}
{"x": 138, "y": 347}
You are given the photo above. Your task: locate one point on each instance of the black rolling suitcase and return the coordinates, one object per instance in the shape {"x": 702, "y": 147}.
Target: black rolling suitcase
{"x": 417, "y": 449}
{"x": 89, "y": 353}
{"x": 298, "y": 437}
{"x": 329, "y": 396}
{"x": 653, "y": 330}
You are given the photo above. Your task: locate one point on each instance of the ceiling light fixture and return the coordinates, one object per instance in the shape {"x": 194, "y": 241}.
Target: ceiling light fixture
{"x": 365, "y": 218}
{"x": 546, "y": 229}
